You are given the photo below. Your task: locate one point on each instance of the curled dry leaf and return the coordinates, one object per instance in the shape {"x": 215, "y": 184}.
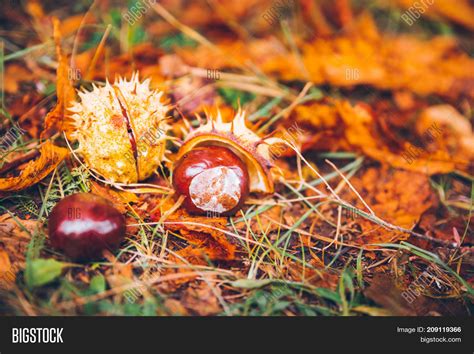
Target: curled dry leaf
{"x": 455, "y": 128}
{"x": 338, "y": 125}
{"x": 50, "y": 157}
{"x": 361, "y": 132}
{"x": 57, "y": 118}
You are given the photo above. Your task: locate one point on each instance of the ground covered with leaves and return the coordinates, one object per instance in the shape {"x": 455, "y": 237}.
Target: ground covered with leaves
{"x": 371, "y": 215}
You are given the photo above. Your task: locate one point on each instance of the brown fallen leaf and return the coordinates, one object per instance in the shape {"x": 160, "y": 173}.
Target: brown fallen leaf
{"x": 15, "y": 237}
{"x": 334, "y": 125}
{"x": 435, "y": 66}
{"x": 384, "y": 292}
{"x": 186, "y": 259}
{"x": 320, "y": 127}
{"x": 387, "y": 294}
{"x": 201, "y": 299}
{"x": 202, "y": 234}
{"x": 143, "y": 57}
{"x": 119, "y": 274}
{"x": 7, "y": 272}
{"x": 50, "y": 157}
{"x": 175, "y": 308}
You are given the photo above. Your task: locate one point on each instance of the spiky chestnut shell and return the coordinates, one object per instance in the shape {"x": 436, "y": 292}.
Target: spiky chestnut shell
{"x": 241, "y": 142}
{"x": 121, "y": 129}
{"x": 213, "y": 180}
{"x": 252, "y": 149}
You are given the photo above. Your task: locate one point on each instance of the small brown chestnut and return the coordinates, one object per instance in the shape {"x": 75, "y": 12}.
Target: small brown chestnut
{"x": 83, "y": 225}
{"x": 213, "y": 179}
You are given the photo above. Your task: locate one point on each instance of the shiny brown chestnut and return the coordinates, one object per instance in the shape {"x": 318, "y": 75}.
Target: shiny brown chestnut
{"x": 83, "y": 225}
{"x": 214, "y": 180}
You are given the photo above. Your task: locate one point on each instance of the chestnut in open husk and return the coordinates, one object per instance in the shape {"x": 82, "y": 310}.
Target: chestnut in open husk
{"x": 220, "y": 163}
{"x": 213, "y": 179}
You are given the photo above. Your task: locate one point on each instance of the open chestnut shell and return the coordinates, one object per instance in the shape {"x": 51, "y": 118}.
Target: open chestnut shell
{"x": 214, "y": 180}
{"x": 83, "y": 225}
{"x": 220, "y": 163}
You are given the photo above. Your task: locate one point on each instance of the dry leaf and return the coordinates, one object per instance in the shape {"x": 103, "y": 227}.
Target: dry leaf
{"x": 387, "y": 294}
{"x": 14, "y": 75}
{"x": 57, "y": 118}
{"x": 15, "y": 237}
{"x": 459, "y": 11}
{"x": 361, "y": 132}
{"x": 202, "y": 235}
{"x": 120, "y": 199}
{"x": 201, "y": 299}
{"x": 456, "y": 129}
{"x": 398, "y": 197}
{"x": 7, "y": 272}
{"x": 362, "y": 56}
{"x": 50, "y": 157}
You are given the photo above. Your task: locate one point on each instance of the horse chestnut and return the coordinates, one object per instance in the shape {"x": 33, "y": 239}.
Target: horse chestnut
{"x": 213, "y": 179}
{"x": 83, "y": 225}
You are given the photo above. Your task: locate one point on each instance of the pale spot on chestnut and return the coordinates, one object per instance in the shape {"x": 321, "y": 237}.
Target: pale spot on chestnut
{"x": 216, "y": 189}
{"x": 213, "y": 179}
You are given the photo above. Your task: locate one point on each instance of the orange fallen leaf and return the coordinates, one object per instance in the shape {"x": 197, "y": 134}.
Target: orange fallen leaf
{"x": 14, "y": 75}
{"x": 57, "y": 118}
{"x": 459, "y": 11}
{"x": 7, "y": 272}
{"x": 361, "y": 132}
{"x": 203, "y": 235}
{"x": 50, "y": 157}
{"x": 361, "y": 56}
{"x": 317, "y": 276}
{"x": 120, "y": 199}
{"x": 456, "y": 129}
{"x": 396, "y": 196}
